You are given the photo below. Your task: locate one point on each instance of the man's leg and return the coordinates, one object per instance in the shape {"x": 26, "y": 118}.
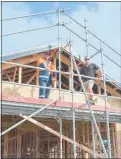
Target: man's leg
{"x": 48, "y": 91}
{"x": 89, "y": 89}
{"x": 42, "y": 91}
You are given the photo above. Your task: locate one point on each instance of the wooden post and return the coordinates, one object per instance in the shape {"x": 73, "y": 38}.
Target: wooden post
{"x": 118, "y": 140}
{"x": 8, "y": 77}
{"x": 83, "y": 133}
{"x": 20, "y": 74}
{"x": 55, "y": 82}
{"x": 99, "y": 89}
{"x": 37, "y": 144}
{"x": 113, "y": 140}
{"x": 6, "y": 145}
{"x": 88, "y": 133}
{"x": 19, "y": 143}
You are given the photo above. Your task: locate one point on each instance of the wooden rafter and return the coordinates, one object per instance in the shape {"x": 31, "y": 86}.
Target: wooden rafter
{"x": 23, "y": 60}
{"x": 34, "y": 75}
{"x": 8, "y": 77}
{"x": 24, "y": 72}
{"x": 62, "y": 84}
{"x": 32, "y": 58}
{"x": 28, "y": 74}
{"x": 109, "y": 90}
{"x": 114, "y": 89}
{"x": 14, "y": 74}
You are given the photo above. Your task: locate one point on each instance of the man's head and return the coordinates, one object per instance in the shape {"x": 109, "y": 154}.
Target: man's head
{"x": 47, "y": 55}
{"x": 87, "y": 60}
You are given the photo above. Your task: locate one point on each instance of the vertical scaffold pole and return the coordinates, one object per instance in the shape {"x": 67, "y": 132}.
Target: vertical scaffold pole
{"x": 59, "y": 52}
{"x": 86, "y": 33}
{"x": 61, "y": 148}
{"x": 93, "y": 139}
{"x": 91, "y": 112}
{"x": 106, "y": 111}
{"x": 73, "y": 108}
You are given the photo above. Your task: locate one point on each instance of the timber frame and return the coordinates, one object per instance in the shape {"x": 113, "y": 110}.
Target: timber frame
{"x": 43, "y": 143}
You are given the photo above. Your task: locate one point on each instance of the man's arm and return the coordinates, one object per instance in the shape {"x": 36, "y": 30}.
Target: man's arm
{"x": 98, "y": 69}
{"x": 39, "y": 61}
{"x": 54, "y": 69}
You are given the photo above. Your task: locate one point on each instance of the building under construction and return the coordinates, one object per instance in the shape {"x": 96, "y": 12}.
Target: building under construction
{"x": 65, "y": 125}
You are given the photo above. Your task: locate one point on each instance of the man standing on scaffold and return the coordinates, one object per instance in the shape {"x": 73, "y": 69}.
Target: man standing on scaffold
{"x": 89, "y": 69}
{"x": 46, "y": 77}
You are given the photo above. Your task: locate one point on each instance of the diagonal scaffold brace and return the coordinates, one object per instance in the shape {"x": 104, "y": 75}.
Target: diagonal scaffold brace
{"x": 81, "y": 146}
{"x": 89, "y": 106}
{"x": 31, "y": 115}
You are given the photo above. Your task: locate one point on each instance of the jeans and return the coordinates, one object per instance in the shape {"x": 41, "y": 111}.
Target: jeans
{"x": 44, "y": 92}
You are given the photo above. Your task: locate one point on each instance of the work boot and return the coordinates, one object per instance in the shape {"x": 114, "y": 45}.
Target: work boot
{"x": 91, "y": 101}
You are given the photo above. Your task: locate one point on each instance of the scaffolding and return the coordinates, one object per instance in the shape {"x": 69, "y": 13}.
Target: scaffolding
{"x": 107, "y": 116}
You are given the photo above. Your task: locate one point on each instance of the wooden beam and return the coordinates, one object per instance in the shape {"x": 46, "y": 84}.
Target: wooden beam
{"x": 30, "y": 59}
{"x": 98, "y": 82}
{"x": 31, "y": 78}
{"x": 24, "y": 72}
{"x": 109, "y": 89}
{"x": 20, "y": 74}
{"x": 67, "y": 76}
{"x": 118, "y": 139}
{"x": 14, "y": 75}
{"x": 24, "y": 60}
{"x": 37, "y": 80}
{"x": 8, "y": 77}
{"x": 65, "y": 85}
{"x": 6, "y": 146}
{"x": 63, "y": 137}
{"x": 114, "y": 89}
{"x": 19, "y": 139}
{"x": 37, "y": 144}
{"x": 113, "y": 140}
{"x": 62, "y": 84}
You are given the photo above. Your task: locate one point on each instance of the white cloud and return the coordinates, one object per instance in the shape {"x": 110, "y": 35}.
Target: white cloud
{"x": 104, "y": 22}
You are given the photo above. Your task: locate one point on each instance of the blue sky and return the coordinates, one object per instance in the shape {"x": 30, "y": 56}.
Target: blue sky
{"x": 103, "y": 20}
{"x": 45, "y": 6}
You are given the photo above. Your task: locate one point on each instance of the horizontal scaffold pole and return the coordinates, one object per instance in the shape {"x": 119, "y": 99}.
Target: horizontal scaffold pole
{"x": 91, "y": 33}
{"x": 36, "y": 14}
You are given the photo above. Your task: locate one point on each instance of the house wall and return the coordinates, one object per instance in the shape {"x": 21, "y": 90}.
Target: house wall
{"x": 29, "y": 91}
{"x": 31, "y": 141}
{"x": 118, "y": 140}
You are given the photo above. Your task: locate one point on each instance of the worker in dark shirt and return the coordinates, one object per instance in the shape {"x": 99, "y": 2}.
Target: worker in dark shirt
{"x": 89, "y": 70}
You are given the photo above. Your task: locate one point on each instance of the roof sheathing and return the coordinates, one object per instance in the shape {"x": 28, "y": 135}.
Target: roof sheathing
{"x": 28, "y": 52}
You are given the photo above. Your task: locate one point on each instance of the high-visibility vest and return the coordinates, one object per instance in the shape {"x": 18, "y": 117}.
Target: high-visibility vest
{"x": 50, "y": 65}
